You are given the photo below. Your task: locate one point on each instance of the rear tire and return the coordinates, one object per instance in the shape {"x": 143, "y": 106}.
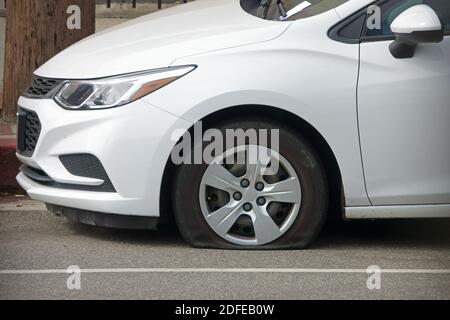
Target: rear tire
{"x": 298, "y": 229}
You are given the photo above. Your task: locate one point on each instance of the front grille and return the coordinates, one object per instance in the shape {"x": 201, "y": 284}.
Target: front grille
{"x": 28, "y": 131}
{"x": 42, "y": 88}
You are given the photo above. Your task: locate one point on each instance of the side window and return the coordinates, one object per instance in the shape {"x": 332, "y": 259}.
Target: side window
{"x": 391, "y": 9}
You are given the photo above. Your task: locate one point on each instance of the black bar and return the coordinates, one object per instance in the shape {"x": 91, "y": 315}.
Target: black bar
{"x": 226, "y": 309}
{"x": 21, "y": 123}
{"x": 36, "y": 175}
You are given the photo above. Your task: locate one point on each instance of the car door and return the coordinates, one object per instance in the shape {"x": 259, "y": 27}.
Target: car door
{"x": 404, "y": 114}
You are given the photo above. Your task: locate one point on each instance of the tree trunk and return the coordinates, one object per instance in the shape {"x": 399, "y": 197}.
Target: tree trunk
{"x": 36, "y": 30}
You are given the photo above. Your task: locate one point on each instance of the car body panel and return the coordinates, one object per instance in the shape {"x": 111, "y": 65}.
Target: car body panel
{"x": 156, "y": 40}
{"x": 350, "y": 7}
{"x": 241, "y": 60}
{"x": 108, "y": 135}
{"x": 308, "y": 62}
{"x": 398, "y": 212}
{"x": 404, "y": 118}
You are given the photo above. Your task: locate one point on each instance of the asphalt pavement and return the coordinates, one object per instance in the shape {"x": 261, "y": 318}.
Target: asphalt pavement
{"x": 36, "y": 249}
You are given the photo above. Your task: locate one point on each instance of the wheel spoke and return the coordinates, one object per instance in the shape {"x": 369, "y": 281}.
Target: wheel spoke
{"x": 219, "y": 177}
{"x": 287, "y": 191}
{"x": 259, "y": 163}
{"x": 253, "y": 164}
{"x": 223, "y": 219}
{"x": 253, "y": 172}
{"x": 264, "y": 226}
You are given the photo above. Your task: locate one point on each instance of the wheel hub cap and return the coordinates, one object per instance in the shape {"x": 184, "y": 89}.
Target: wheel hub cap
{"x": 268, "y": 204}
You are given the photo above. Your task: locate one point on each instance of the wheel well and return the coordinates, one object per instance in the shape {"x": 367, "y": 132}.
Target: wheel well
{"x": 336, "y": 200}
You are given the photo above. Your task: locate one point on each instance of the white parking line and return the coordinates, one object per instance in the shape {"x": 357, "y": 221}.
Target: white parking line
{"x": 224, "y": 270}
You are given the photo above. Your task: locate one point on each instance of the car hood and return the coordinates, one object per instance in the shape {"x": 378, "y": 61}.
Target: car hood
{"x": 157, "y": 40}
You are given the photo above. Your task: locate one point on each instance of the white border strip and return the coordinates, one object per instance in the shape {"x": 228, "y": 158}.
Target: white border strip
{"x": 398, "y": 212}
{"x": 224, "y": 270}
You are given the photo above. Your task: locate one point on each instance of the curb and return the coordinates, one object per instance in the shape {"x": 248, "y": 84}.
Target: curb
{"x": 9, "y": 165}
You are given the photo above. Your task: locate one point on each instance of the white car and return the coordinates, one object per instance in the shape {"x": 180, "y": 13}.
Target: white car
{"x": 358, "y": 90}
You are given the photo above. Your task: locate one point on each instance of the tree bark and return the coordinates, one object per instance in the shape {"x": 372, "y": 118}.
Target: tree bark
{"x": 36, "y": 30}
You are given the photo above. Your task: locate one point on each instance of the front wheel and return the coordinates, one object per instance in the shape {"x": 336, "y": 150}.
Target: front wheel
{"x": 244, "y": 205}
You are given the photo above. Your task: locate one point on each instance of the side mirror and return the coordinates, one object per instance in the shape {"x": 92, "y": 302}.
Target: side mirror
{"x": 416, "y": 25}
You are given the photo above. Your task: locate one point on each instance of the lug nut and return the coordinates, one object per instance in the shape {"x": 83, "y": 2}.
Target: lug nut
{"x": 259, "y": 186}
{"x": 237, "y": 196}
{"x": 261, "y": 201}
{"x": 245, "y": 183}
{"x": 248, "y": 207}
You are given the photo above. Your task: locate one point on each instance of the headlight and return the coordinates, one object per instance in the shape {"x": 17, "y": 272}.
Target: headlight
{"x": 115, "y": 91}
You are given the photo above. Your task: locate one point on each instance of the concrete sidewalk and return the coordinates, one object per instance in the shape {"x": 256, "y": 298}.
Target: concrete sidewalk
{"x": 9, "y": 165}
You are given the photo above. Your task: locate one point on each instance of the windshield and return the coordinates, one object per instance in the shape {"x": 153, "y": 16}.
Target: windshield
{"x": 288, "y": 10}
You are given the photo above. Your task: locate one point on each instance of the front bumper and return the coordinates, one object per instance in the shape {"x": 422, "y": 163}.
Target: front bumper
{"x": 133, "y": 144}
{"x": 105, "y": 219}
